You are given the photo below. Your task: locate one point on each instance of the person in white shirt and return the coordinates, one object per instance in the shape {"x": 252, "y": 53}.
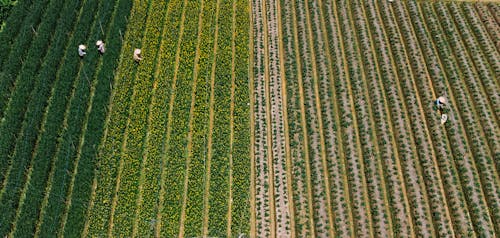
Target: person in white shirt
{"x": 137, "y": 55}
{"x": 81, "y": 50}
{"x": 100, "y": 46}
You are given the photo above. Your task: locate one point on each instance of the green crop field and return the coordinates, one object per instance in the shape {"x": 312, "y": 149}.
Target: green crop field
{"x": 250, "y": 118}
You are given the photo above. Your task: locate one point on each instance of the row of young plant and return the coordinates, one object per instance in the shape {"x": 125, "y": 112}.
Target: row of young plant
{"x": 354, "y": 207}
{"x": 107, "y": 169}
{"x": 465, "y": 166}
{"x": 323, "y": 220}
{"x": 413, "y": 176}
{"x": 20, "y": 153}
{"x": 240, "y": 213}
{"x": 18, "y": 53}
{"x": 430, "y": 169}
{"x": 13, "y": 24}
{"x": 78, "y": 200}
{"x": 399, "y": 130}
{"x": 372, "y": 155}
{"x": 279, "y": 149}
{"x": 483, "y": 158}
{"x": 70, "y": 138}
{"x": 446, "y": 151}
{"x": 384, "y": 149}
{"x": 482, "y": 61}
{"x": 129, "y": 191}
{"x": 328, "y": 73}
{"x": 488, "y": 50}
{"x": 300, "y": 177}
{"x": 262, "y": 191}
{"x": 486, "y": 63}
{"x": 480, "y": 31}
{"x": 178, "y": 122}
{"x": 489, "y": 23}
{"x": 199, "y": 123}
{"x": 356, "y": 133}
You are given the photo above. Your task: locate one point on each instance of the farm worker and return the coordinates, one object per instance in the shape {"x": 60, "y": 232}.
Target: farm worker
{"x": 440, "y": 102}
{"x": 81, "y": 50}
{"x": 100, "y": 46}
{"x": 137, "y": 55}
{"x": 444, "y": 118}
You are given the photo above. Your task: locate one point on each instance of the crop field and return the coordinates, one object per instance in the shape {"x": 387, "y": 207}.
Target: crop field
{"x": 250, "y": 118}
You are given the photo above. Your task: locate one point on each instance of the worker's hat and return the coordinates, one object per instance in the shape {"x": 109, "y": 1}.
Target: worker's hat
{"x": 442, "y": 99}
{"x": 137, "y": 51}
{"x": 99, "y": 42}
{"x": 82, "y": 47}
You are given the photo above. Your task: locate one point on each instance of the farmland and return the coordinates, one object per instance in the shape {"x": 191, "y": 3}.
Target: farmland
{"x": 258, "y": 118}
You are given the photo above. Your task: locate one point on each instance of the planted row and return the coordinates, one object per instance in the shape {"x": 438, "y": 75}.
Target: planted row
{"x": 129, "y": 191}
{"x": 20, "y": 150}
{"x": 109, "y": 158}
{"x": 199, "y": 124}
{"x": 178, "y": 122}
{"x": 77, "y": 207}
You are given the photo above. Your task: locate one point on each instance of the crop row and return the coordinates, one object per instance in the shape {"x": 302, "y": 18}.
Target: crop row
{"x": 240, "y": 213}
{"x": 276, "y": 112}
{"x": 455, "y": 197}
{"x": 199, "y": 124}
{"x": 487, "y": 45}
{"x": 30, "y": 133}
{"x": 107, "y": 169}
{"x": 219, "y": 165}
{"x": 77, "y": 207}
{"x": 430, "y": 169}
{"x": 483, "y": 158}
{"x": 18, "y": 53}
{"x": 54, "y": 116}
{"x": 178, "y": 121}
{"x": 482, "y": 61}
{"x": 129, "y": 190}
{"x": 10, "y": 125}
{"x": 261, "y": 154}
{"x": 414, "y": 180}
{"x": 465, "y": 166}
{"x": 301, "y": 179}
{"x": 12, "y": 26}
{"x": 372, "y": 69}
{"x": 489, "y": 23}
{"x": 66, "y": 159}
{"x": 9, "y": 72}
{"x": 323, "y": 219}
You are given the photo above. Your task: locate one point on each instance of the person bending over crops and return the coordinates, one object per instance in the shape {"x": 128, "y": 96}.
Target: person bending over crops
{"x": 81, "y": 50}
{"x": 137, "y": 55}
{"x": 100, "y": 46}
